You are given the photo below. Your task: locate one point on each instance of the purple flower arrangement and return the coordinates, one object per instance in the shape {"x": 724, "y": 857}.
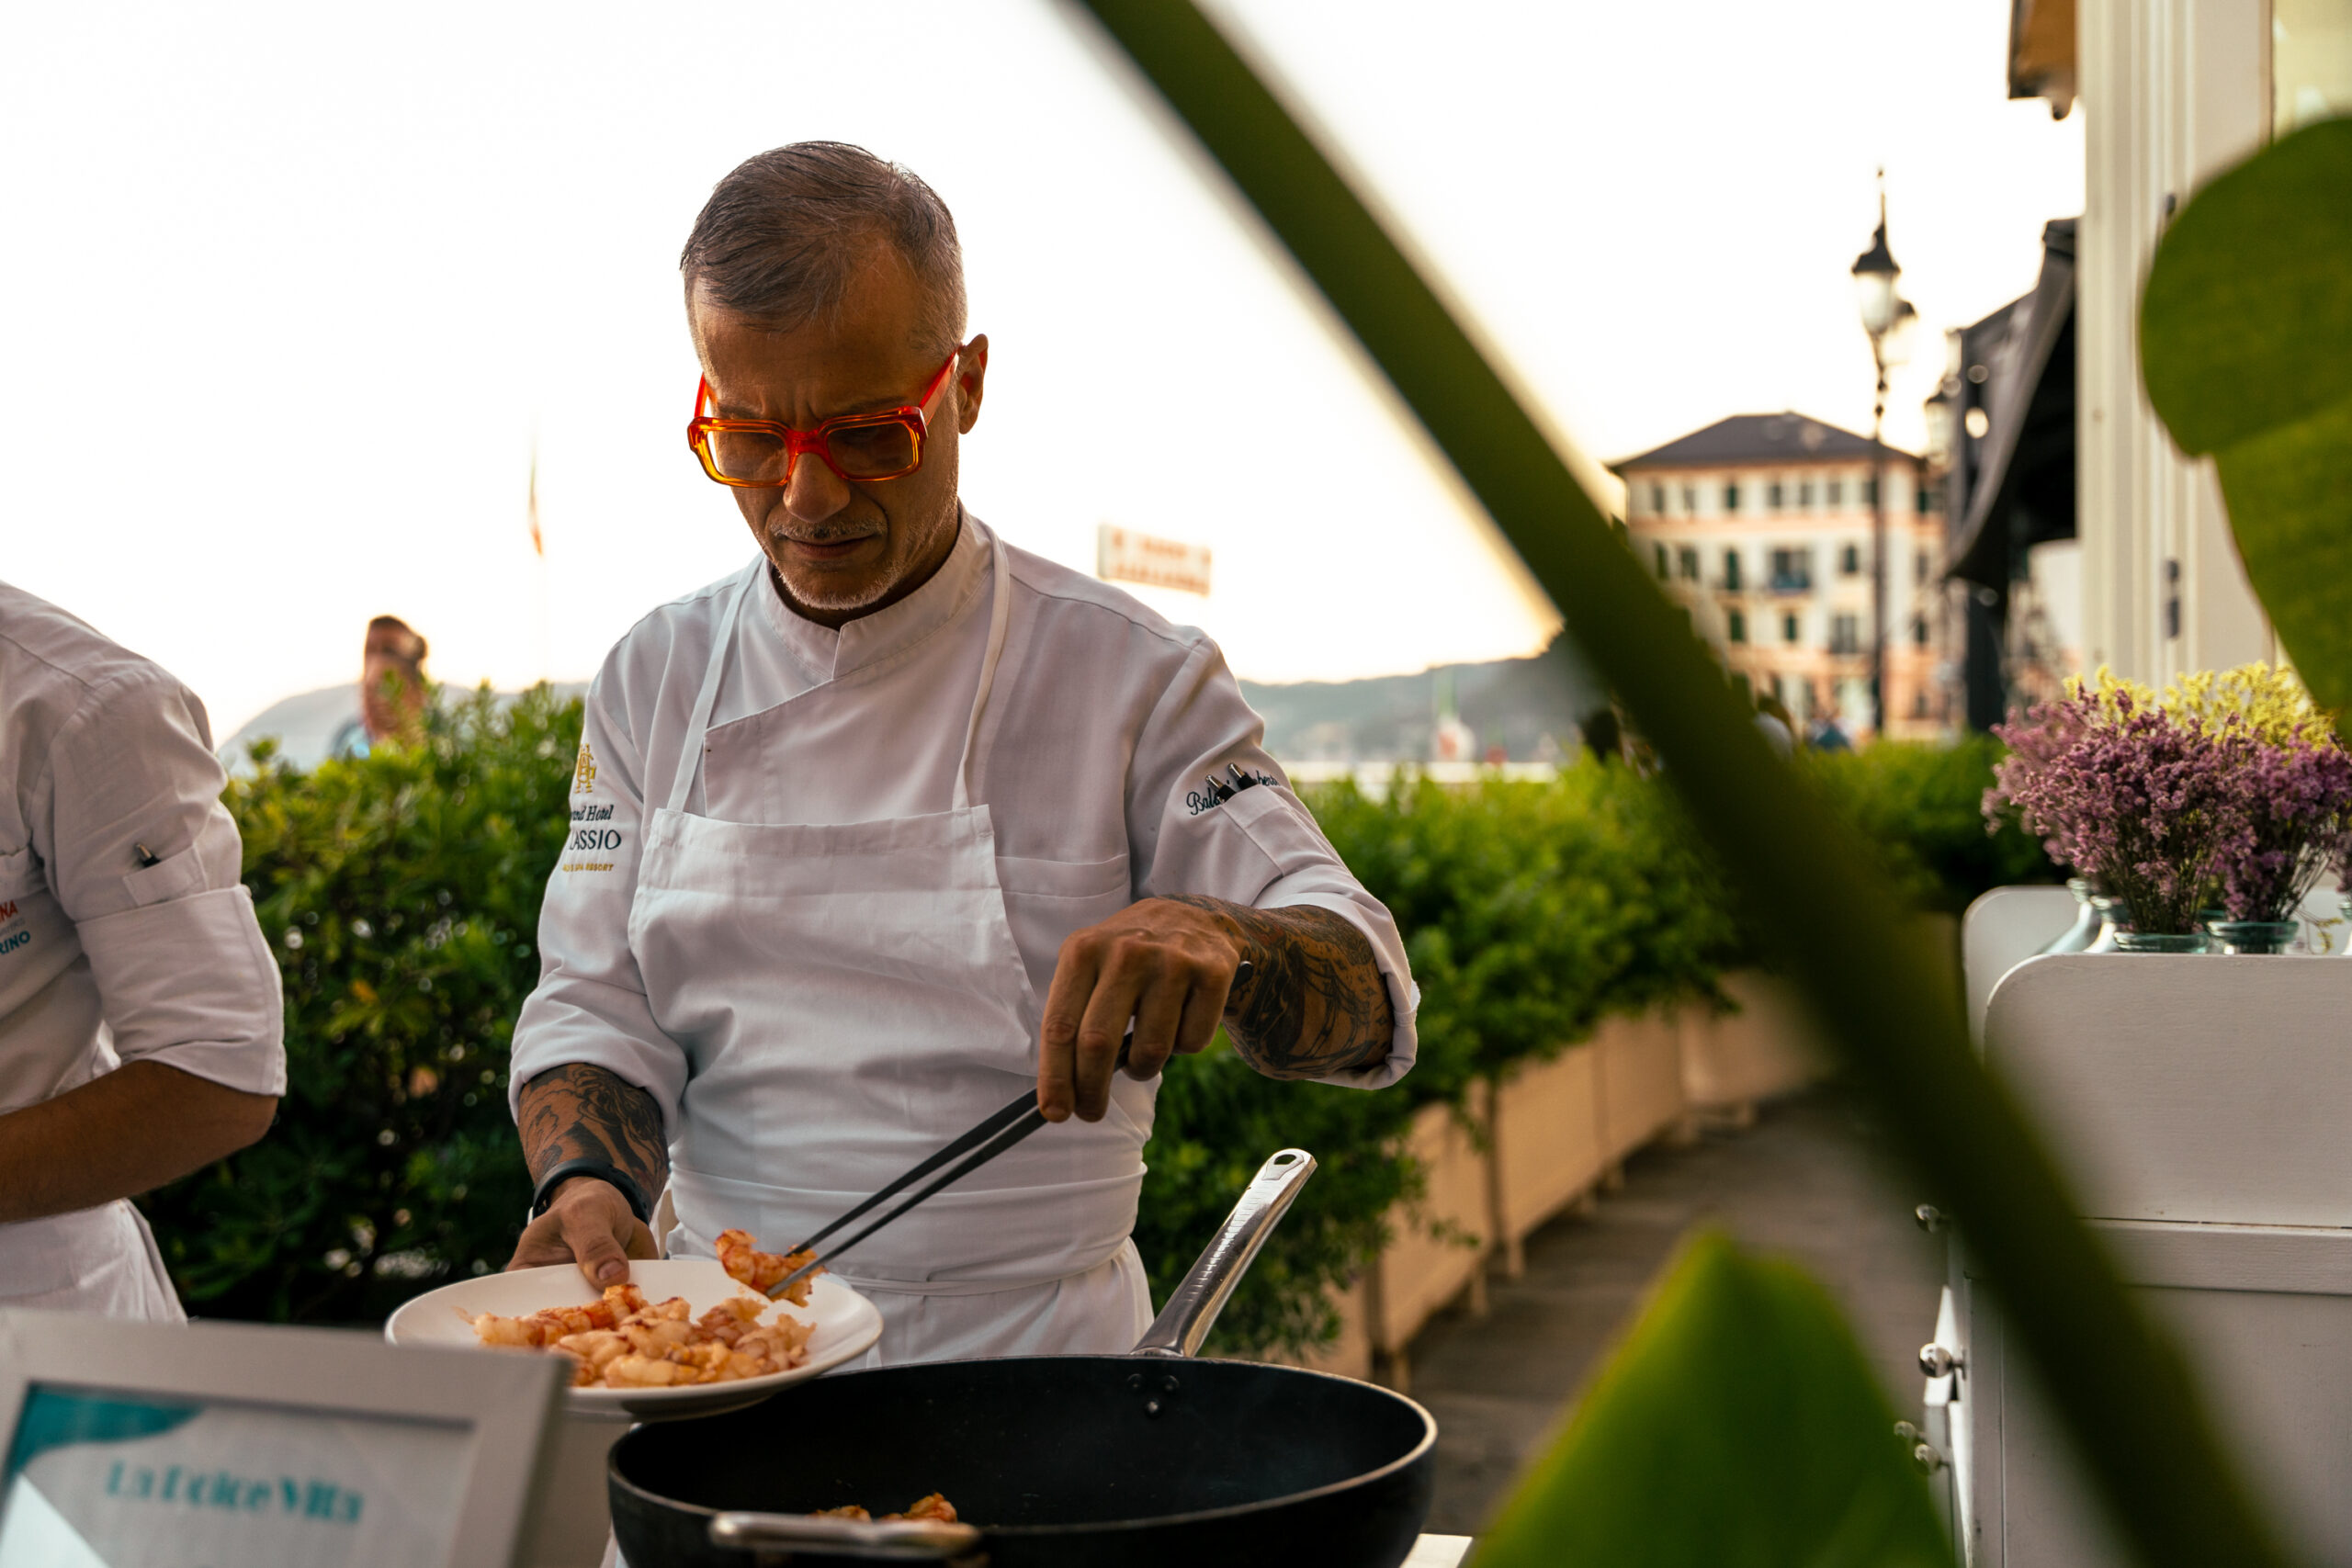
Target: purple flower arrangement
{"x": 2287, "y": 826}
{"x": 2174, "y": 807}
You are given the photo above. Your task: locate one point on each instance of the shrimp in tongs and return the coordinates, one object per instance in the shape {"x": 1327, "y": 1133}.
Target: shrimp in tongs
{"x": 739, "y": 1254}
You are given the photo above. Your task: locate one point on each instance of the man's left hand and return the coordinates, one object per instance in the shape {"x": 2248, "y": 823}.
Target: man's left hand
{"x": 1167, "y": 966}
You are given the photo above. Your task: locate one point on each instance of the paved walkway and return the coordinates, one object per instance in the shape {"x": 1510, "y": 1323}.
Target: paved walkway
{"x": 1802, "y": 1181}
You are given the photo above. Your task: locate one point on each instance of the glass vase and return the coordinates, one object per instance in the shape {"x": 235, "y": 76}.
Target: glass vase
{"x": 2253, "y": 936}
{"x": 2088, "y": 921}
{"x": 2160, "y": 942}
{"x": 2114, "y": 915}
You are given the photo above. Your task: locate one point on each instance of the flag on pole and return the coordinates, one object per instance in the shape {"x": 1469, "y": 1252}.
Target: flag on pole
{"x": 539, "y": 544}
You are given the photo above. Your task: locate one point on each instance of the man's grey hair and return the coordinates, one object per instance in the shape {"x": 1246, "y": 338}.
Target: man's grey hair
{"x": 781, "y": 238}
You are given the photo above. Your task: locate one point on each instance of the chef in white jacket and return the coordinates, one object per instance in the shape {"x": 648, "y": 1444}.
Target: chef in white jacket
{"x": 140, "y": 1012}
{"x": 897, "y": 819}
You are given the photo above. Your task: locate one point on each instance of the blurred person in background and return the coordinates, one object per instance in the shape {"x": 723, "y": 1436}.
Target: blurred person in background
{"x": 391, "y": 690}
{"x": 1603, "y": 736}
{"x": 140, "y": 1013}
{"x": 1828, "y": 735}
{"x": 1779, "y": 725}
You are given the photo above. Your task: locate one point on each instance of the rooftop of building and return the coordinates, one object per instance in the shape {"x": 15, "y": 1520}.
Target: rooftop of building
{"x": 1787, "y": 437}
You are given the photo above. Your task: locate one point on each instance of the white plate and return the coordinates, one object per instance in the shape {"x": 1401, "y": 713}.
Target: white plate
{"x": 847, "y": 1324}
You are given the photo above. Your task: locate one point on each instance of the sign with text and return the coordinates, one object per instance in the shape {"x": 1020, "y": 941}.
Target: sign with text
{"x": 1122, "y": 555}
{"x": 107, "y": 1480}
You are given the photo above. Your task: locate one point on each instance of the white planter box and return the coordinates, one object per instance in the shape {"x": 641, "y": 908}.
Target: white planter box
{"x": 1349, "y": 1356}
{"x": 1731, "y": 1061}
{"x": 1639, "y": 1063}
{"x": 1426, "y": 1263}
{"x": 1545, "y": 1134}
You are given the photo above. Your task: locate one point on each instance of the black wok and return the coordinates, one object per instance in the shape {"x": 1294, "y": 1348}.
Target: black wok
{"x": 1147, "y": 1459}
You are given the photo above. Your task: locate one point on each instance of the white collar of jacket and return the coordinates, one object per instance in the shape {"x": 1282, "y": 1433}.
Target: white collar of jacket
{"x": 826, "y": 654}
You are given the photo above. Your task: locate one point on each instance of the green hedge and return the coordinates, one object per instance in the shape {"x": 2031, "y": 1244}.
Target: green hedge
{"x": 1530, "y": 912}
{"x": 1923, "y": 808}
{"x": 400, "y": 892}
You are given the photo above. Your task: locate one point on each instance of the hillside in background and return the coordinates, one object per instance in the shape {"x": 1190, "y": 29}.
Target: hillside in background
{"x": 1516, "y": 704}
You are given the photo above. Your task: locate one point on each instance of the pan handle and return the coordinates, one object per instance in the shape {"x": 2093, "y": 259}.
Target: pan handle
{"x": 1182, "y": 1327}
{"x": 889, "y": 1541}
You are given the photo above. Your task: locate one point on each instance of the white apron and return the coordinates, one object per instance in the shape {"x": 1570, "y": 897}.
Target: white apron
{"x": 849, "y": 998}
{"x": 100, "y": 1261}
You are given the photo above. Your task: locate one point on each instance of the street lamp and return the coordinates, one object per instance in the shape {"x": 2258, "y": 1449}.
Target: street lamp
{"x": 1885, "y": 316}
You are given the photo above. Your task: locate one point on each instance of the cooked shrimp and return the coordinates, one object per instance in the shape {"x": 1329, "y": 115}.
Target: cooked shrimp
{"x": 626, "y": 1341}
{"x": 597, "y": 1350}
{"x": 931, "y": 1507}
{"x": 508, "y": 1333}
{"x": 550, "y": 1325}
{"x": 646, "y": 1372}
{"x": 727, "y": 1322}
{"x": 739, "y": 1254}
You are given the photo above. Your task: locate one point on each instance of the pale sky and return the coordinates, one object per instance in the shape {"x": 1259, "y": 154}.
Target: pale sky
{"x": 291, "y": 290}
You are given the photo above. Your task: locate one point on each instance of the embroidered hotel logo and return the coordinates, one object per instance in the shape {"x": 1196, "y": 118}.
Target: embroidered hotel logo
{"x": 584, "y": 782}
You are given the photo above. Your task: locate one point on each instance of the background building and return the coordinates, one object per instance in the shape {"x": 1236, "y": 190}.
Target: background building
{"x": 2001, "y": 432}
{"x": 1761, "y": 525}
{"x": 2081, "y": 536}
{"x": 2177, "y": 91}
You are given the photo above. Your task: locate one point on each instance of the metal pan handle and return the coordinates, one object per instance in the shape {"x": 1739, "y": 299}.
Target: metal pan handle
{"x": 886, "y": 1541}
{"x": 1182, "y": 1327}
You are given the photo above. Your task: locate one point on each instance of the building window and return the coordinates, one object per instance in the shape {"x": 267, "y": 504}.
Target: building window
{"x": 1657, "y": 501}
{"x": 1919, "y": 632}
{"x": 1845, "y": 634}
{"x": 1735, "y": 626}
{"x": 1686, "y": 560}
{"x": 1791, "y": 629}
{"x": 1804, "y": 495}
{"x": 1927, "y": 503}
{"x": 1836, "y": 494}
{"x": 1870, "y": 492}
{"x": 1849, "y": 560}
{"x": 1731, "y": 499}
{"x": 1772, "y": 496}
{"x": 1792, "y": 571}
{"x": 1662, "y": 571}
{"x": 1690, "y": 501}
{"x": 1730, "y": 572}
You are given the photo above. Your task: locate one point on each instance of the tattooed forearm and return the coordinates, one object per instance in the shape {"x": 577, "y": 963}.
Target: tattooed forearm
{"x": 1314, "y": 1002}
{"x": 583, "y": 1112}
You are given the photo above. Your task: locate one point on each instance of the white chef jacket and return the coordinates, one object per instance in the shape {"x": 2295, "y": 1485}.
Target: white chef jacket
{"x": 1095, "y": 761}
{"x": 105, "y": 763}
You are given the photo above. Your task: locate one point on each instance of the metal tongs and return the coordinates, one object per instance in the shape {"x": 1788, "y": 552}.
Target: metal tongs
{"x": 996, "y": 1133}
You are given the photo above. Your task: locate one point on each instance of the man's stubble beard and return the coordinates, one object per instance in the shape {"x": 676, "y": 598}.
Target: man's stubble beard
{"x": 836, "y": 599}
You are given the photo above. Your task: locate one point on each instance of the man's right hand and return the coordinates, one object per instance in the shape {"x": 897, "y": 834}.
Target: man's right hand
{"x": 589, "y": 1223}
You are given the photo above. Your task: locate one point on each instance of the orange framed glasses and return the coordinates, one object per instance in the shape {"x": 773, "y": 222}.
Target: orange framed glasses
{"x": 757, "y": 453}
